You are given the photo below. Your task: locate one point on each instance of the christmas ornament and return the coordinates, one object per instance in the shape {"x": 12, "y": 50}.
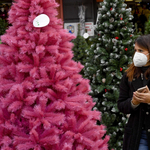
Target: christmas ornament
{"x": 111, "y": 20}
{"x": 126, "y": 49}
{"x": 121, "y": 69}
{"x": 41, "y": 21}
{"x": 114, "y": 41}
{"x": 116, "y": 38}
{"x": 125, "y": 28}
{"x": 103, "y": 80}
{"x": 85, "y": 35}
{"x": 121, "y": 15}
{"x": 106, "y": 90}
{"x": 113, "y": 73}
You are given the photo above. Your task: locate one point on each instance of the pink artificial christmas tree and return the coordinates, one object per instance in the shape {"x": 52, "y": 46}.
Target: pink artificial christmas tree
{"x": 44, "y": 101}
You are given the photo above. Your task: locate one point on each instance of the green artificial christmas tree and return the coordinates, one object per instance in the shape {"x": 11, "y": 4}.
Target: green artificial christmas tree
{"x": 80, "y": 46}
{"x": 147, "y": 27}
{"x": 107, "y": 60}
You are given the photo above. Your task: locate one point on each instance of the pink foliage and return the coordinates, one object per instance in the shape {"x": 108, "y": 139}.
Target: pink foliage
{"x": 44, "y": 101}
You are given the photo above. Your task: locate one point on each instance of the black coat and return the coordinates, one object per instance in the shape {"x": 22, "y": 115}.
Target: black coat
{"x": 139, "y": 117}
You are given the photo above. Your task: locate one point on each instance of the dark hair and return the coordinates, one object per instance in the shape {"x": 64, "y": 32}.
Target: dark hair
{"x": 143, "y": 42}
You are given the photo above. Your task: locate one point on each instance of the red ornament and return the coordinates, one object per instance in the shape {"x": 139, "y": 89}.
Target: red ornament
{"x": 105, "y": 90}
{"x": 121, "y": 69}
{"x": 126, "y": 49}
{"x": 116, "y": 38}
{"x": 131, "y": 35}
{"x": 110, "y": 8}
{"x": 121, "y": 18}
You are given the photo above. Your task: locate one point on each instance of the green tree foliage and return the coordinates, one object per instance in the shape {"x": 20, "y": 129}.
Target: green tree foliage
{"x": 80, "y": 46}
{"x": 147, "y": 27}
{"x": 108, "y": 58}
{"x": 79, "y": 49}
{"x": 3, "y": 26}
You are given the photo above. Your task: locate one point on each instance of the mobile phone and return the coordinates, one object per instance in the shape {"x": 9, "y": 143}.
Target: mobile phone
{"x": 143, "y": 89}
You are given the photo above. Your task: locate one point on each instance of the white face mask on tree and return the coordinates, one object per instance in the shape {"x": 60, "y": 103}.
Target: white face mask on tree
{"x": 140, "y": 59}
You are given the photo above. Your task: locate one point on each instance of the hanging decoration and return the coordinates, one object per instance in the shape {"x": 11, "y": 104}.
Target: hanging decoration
{"x": 41, "y": 20}
{"x": 111, "y": 20}
{"x": 81, "y": 14}
{"x": 121, "y": 15}
{"x": 85, "y": 35}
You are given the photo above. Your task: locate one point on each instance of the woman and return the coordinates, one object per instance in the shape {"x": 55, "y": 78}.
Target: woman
{"x": 137, "y": 130}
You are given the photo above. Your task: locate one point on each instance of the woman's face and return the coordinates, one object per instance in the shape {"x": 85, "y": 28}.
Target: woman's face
{"x": 142, "y": 50}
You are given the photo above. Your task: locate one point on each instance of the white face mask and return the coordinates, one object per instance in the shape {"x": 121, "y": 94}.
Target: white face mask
{"x": 139, "y": 59}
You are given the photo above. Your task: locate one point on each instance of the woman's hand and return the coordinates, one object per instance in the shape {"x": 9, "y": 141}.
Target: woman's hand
{"x": 135, "y": 100}
{"x": 141, "y": 98}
